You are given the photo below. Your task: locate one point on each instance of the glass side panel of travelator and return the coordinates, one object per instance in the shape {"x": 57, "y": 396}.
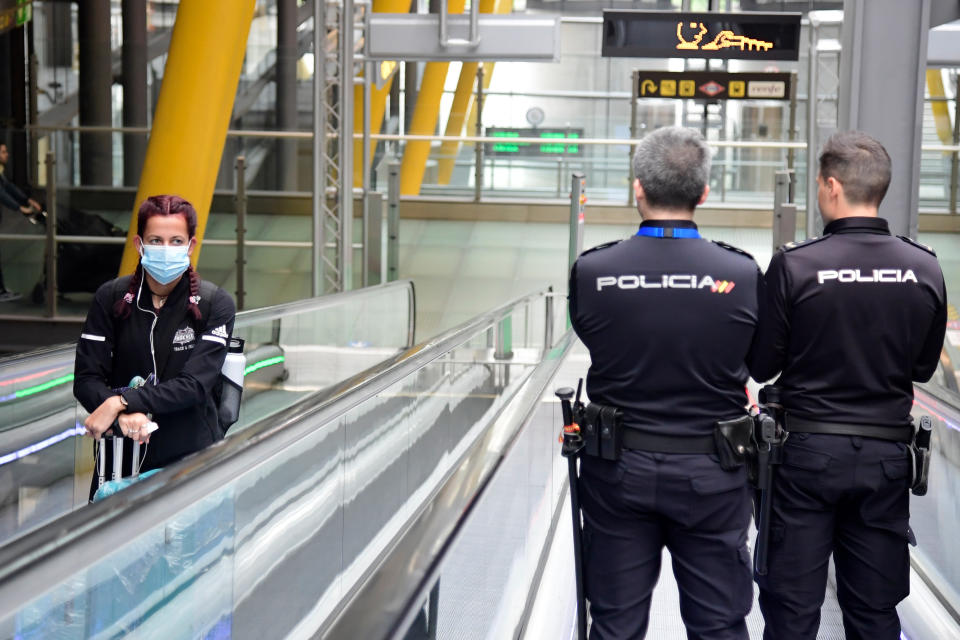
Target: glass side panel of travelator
{"x": 268, "y": 533}
{"x": 292, "y": 350}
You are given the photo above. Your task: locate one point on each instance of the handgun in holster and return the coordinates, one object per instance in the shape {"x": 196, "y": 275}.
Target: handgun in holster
{"x": 602, "y": 429}
{"x": 920, "y": 456}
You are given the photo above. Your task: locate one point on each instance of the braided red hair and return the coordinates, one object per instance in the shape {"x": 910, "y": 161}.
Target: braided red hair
{"x": 194, "y": 292}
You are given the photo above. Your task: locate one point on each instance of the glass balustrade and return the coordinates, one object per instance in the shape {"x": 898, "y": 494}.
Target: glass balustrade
{"x": 292, "y": 351}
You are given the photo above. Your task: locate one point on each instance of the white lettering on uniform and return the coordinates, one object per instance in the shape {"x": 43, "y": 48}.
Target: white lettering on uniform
{"x": 666, "y": 281}
{"x": 874, "y": 275}
{"x": 886, "y": 275}
{"x": 605, "y": 281}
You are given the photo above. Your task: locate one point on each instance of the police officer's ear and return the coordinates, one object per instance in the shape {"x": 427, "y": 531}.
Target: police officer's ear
{"x": 637, "y": 190}
{"x": 703, "y": 196}
{"x": 832, "y": 186}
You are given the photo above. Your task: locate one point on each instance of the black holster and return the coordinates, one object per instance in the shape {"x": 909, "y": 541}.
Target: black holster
{"x": 602, "y": 430}
{"x": 735, "y": 444}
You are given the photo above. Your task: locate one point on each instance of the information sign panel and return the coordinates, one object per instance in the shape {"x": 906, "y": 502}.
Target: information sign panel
{"x": 669, "y": 34}
{"x": 713, "y": 85}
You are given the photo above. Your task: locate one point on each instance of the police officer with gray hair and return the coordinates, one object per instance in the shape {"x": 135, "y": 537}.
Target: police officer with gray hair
{"x": 668, "y": 318}
{"x": 849, "y": 320}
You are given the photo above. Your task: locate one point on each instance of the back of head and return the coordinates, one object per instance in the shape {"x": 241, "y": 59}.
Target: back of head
{"x": 673, "y": 167}
{"x": 860, "y": 164}
{"x": 166, "y": 205}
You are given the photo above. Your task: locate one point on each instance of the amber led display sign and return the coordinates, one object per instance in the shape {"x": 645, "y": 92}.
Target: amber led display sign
{"x": 661, "y": 34}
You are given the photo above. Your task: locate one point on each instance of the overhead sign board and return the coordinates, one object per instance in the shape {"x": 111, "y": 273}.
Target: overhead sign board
{"x": 406, "y": 36}
{"x": 713, "y": 85}
{"x": 15, "y": 13}
{"x": 670, "y": 34}
{"x": 555, "y": 142}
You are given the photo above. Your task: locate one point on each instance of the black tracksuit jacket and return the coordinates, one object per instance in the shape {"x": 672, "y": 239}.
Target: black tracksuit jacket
{"x": 187, "y": 355}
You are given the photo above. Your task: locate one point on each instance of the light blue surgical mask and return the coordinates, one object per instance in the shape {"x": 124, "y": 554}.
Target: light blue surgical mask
{"x": 165, "y": 264}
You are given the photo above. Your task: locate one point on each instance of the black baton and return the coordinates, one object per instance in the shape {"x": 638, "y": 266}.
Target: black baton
{"x": 765, "y": 470}
{"x": 770, "y": 437}
{"x": 572, "y": 444}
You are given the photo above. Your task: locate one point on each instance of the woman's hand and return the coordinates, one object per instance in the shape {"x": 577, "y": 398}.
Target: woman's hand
{"x": 103, "y": 417}
{"x": 132, "y": 425}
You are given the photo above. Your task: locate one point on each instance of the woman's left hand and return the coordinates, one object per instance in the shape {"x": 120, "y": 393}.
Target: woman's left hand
{"x": 103, "y": 417}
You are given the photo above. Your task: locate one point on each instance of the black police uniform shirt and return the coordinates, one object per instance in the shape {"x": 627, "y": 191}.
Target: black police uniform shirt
{"x": 851, "y": 319}
{"x": 189, "y": 355}
{"x": 668, "y": 322}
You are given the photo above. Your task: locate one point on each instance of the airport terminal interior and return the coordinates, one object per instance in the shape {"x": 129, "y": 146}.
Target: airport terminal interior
{"x": 393, "y": 192}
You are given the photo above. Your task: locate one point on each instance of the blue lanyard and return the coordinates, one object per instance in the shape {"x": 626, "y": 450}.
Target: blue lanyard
{"x": 668, "y": 232}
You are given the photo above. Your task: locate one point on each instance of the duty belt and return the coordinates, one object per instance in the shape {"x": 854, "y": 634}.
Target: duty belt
{"x": 894, "y": 434}
{"x": 655, "y": 443}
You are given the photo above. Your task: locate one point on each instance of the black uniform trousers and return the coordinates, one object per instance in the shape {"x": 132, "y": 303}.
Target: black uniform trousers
{"x": 849, "y": 496}
{"x": 634, "y": 507}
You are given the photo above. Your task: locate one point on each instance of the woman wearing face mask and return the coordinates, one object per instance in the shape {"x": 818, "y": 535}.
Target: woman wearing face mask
{"x": 164, "y": 326}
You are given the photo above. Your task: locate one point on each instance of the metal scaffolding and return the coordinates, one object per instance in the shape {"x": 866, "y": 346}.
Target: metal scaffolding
{"x": 334, "y": 73}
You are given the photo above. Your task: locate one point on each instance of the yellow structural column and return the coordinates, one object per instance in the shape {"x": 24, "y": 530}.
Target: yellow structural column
{"x": 378, "y": 98}
{"x": 463, "y": 100}
{"x": 424, "y": 121}
{"x": 190, "y": 124}
{"x": 941, "y": 114}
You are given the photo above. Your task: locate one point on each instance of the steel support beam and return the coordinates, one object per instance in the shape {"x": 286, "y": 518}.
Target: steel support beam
{"x": 286, "y": 84}
{"x": 96, "y": 77}
{"x": 320, "y": 145}
{"x": 134, "y": 74}
{"x": 345, "y": 173}
{"x": 894, "y": 117}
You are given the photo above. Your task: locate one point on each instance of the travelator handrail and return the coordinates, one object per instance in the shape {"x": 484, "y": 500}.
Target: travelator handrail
{"x": 10, "y": 364}
{"x": 32, "y": 565}
{"x": 386, "y": 604}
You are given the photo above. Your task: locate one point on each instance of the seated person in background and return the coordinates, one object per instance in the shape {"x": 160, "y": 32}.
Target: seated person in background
{"x": 11, "y": 197}
{"x": 164, "y": 326}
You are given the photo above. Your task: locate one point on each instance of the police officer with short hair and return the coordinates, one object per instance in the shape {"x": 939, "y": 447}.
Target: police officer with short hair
{"x": 668, "y": 318}
{"x": 849, "y": 321}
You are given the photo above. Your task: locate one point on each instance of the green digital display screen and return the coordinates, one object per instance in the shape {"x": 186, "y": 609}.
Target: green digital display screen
{"x": 671, "y": 34}
{"x": 555, "y": 141}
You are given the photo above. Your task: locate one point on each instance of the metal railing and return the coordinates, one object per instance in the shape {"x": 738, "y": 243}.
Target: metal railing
{"x": 376, "y": 269}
